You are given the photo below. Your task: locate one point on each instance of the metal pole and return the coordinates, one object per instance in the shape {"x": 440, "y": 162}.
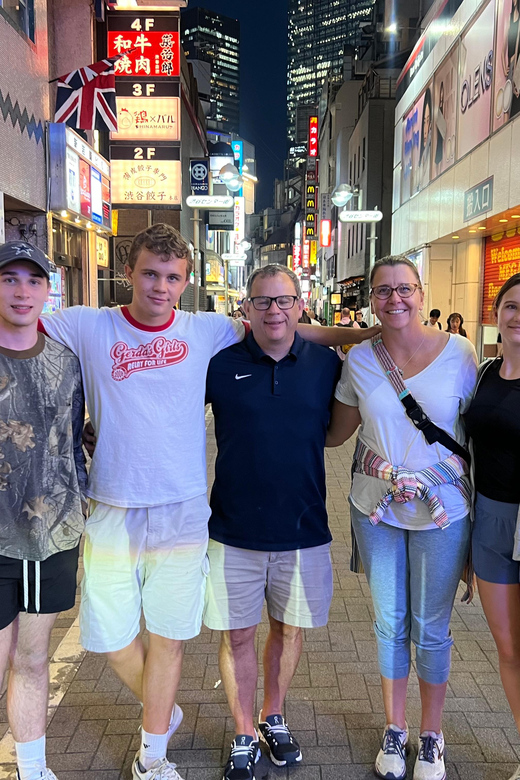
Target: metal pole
{"x": 372, "y": 239}
{"x": 226, "y": 286}
{"x": 196, "y": 260}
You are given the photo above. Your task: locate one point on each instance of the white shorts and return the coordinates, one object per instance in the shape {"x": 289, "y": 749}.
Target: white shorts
{"x": 297, "y": 585}
{"x": 151, "y": 559}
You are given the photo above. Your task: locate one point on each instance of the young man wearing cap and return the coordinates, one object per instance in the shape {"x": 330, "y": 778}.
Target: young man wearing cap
{"x": 42, "y": 474}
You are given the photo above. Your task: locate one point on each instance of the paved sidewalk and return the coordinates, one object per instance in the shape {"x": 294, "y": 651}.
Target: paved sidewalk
{"x": 334, "y": 705}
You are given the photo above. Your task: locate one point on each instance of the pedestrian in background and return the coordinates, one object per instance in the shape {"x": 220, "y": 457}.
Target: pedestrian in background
{"x": 433, "y": 321}
{"x": 493, "y": 421}
{"x": 455, "y": 322}
{"x": 359, "y": 319}
{"x": 345, "y": 322}
{"x": 409, "y": 501}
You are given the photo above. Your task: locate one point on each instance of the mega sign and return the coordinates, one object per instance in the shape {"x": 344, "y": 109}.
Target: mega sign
{"x": 502, "y": 260}
{"x": 149, "y": 44}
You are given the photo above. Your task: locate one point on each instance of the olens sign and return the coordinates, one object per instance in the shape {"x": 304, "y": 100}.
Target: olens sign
{"x": 502, "y": 260}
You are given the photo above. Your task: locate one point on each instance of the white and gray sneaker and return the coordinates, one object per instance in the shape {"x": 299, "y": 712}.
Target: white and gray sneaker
{"x": 429, "y": 764}
{"x": 391, "y": 759}
{"x": 160, "y": 770}
{"x": 45, "y": 774}
{"x": 516, "y": 775}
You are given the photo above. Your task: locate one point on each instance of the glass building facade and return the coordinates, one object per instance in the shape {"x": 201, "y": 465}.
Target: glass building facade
{"x": 318, "y": 32}
{"x": 215, "y": 38}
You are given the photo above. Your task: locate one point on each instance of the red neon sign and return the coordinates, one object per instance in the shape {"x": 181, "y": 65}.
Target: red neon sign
{"x": 313, "y": 136}
{"x": 297, "y": 256}
{"x": 150, "y": 53}
{"x": 325, "y": 232}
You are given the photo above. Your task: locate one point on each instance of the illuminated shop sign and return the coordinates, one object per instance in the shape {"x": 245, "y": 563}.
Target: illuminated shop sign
{"x": 79, "y": 177}
{"x": 149, "y": 119}
{"x": 146, "y": 175}
{"x": 149, "y": 44}
{"x": 313, "y": 136}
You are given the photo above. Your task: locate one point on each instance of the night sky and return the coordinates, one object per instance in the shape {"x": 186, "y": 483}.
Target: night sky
{"x": 263, "y": 83}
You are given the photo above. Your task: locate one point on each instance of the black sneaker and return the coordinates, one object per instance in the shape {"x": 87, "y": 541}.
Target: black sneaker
{"x": 283, "y": 748}
{"x": 244, "y": 754}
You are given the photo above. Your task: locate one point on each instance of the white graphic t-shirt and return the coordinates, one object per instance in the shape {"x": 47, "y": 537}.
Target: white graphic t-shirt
{"x": 145, "y": 389}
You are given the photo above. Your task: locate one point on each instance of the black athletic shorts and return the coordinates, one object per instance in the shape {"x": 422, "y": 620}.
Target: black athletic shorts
{"x": 57, "y": 585}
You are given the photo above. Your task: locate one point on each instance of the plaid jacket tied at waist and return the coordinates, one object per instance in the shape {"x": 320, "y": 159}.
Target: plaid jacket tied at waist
{"x": 406, "y": 485}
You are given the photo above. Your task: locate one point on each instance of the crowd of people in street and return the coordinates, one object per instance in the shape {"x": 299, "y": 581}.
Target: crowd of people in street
{"x": 424, "y": 511}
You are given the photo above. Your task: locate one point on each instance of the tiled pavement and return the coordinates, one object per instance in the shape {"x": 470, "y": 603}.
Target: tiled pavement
{"x": 334, "y": 705}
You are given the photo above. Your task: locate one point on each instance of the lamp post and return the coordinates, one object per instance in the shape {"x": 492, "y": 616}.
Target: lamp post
{"x": 231, "y": 177}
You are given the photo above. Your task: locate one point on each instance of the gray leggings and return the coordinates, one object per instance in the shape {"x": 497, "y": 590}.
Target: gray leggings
{"x": 413, "y": 578}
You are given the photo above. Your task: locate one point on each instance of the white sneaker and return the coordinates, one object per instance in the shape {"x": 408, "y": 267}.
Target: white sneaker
{"x": 391, "y": 759}
{"x": 175, "y": 721}
{"x": 515, "y": 775}
{"x": 429, "y": 764}
{"x": 46, "y": 774}
{"x": 160, "y": 770}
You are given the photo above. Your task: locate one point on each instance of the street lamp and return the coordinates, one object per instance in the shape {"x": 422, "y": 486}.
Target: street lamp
{"x": 235, "y": 184}
{"x": 341, "y": 194}
{"x": 228, "y": 172}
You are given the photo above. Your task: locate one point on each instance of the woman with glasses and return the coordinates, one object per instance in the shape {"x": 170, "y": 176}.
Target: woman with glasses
{"x": 409, "y": 500}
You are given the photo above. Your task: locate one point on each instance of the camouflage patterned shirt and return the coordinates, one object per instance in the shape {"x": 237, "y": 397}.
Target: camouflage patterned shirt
{"x": 42, "y": 467}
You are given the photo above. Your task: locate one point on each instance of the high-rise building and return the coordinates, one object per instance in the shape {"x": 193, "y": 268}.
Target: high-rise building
{"x": 215, "y": 38}
{"x": 318, "y": 32}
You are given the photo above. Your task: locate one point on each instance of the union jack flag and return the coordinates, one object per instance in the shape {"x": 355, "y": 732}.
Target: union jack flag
{"x": 86, "y": 97}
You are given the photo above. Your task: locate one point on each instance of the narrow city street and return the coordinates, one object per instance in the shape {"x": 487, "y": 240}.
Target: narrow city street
{"x": 334, "y": 705}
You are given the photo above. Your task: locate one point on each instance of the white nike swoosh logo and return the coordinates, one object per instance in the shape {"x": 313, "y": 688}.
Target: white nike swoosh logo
{"x": 243, "y": 376}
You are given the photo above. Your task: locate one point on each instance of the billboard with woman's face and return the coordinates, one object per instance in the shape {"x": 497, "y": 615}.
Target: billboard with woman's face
{"x": 506, "y": 97}
{"x": 476, "y": 61}
{"x": 417, "y": 145}
{"x": 444, "y": 114}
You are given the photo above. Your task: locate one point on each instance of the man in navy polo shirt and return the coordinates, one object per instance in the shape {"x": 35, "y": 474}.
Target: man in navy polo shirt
{"x": 269, "y": 534}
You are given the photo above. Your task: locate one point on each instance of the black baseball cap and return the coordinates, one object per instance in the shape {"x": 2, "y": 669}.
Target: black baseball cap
{"x": 21, "y": 250}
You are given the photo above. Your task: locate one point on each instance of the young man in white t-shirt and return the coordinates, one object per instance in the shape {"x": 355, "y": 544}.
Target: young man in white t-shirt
{"x": 144, "y": 373}
{"x": 144, "y": 368}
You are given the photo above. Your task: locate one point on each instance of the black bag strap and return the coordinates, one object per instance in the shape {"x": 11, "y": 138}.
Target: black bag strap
{"x": 431, "y": 432}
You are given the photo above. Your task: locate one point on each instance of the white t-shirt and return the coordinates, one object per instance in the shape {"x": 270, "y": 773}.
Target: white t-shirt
{"x": 145, "y": 392}
{"x": 443, "y": 389}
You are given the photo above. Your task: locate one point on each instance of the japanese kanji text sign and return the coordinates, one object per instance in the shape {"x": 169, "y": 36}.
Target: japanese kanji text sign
{"x": 149, "y": 44}
{"x": 478, "y": 199}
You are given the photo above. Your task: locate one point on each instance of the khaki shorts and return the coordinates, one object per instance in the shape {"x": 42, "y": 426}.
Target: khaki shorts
{"x": 151, "y": 560}
{"x": 297, "y": 585}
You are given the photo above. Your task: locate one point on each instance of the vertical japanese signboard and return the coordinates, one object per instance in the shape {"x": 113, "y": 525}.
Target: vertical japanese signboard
{"x": 311, "y": 204}
{"x": 313, "y": 136}
{"x": 146, "y": 149}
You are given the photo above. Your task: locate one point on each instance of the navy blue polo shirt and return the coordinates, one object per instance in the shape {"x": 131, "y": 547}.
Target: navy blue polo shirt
{"x": 270, "y": 422}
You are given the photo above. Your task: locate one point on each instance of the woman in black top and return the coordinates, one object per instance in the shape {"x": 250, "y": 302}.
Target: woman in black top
{"x": 455, "y": 322}
{"x": 493, "y": 421}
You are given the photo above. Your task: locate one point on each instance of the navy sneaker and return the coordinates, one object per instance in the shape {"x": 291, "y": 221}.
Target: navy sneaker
{"x": 283, "y": 748}
{"x": 244, "y": 754}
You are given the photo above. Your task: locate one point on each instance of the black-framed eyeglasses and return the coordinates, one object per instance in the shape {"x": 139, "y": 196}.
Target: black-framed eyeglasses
{"x": 263, "y": 302}
{"x": 383, "y": 291}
